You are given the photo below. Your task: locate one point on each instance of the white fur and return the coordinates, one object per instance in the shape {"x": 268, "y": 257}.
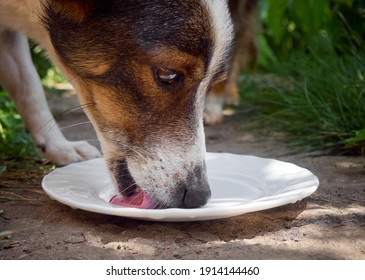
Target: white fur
{"x": 171, "y": 162}
{"x": 223, "y": 32}
{"x": 221, "y": 23}
{"x": 222, "y": 29}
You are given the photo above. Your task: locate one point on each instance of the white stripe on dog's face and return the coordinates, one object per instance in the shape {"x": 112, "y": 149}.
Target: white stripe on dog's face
{"x": 223, "y": 32}
{"x": 222, "y": 29}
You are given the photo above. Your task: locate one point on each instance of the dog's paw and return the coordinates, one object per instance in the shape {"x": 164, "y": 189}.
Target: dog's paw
{"x": 213, "y": 112}
{"x": 66, "y": 152}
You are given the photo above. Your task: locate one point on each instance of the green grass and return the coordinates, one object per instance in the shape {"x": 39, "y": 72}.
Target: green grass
{"x": 317, "y": 98}
{"x": 15, "y": 142}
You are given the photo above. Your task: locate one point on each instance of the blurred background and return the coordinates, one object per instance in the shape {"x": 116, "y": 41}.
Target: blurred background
{"x": 308, "y": 83}
{"x": 310, "y": 79}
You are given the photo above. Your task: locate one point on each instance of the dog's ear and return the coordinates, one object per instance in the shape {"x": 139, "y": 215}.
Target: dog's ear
{"x": 76, "y": 10}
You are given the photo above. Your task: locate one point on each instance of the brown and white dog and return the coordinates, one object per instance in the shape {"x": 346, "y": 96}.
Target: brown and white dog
{"x": 142, "y": 70}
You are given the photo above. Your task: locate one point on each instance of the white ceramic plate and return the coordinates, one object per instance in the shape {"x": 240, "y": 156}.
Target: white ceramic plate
{"x": 239, "y": 184}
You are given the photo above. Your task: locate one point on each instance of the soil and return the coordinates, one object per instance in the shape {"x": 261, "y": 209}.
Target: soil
{"x": 330, "y": 224}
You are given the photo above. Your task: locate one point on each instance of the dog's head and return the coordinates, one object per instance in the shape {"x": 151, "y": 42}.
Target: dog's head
{"x": 143, "y": 69}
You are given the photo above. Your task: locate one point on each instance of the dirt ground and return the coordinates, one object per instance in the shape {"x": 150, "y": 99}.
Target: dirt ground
{"x": 330, "y": 224}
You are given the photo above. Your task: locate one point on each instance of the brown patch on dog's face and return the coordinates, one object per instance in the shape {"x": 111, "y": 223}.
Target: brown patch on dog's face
{"x": 96, "y": 68}
{"x": 149, "y": 107}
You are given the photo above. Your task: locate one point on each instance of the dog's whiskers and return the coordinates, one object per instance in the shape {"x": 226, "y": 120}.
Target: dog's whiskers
{"x": 53, "y": 122}
{"x": 78, "y": 108}
{"x": 74, "y": 125}
{"x": 129, "y": 187}
{"x": 134, "y": 149}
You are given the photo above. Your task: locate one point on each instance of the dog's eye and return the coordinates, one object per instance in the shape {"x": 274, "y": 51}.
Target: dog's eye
{"x": 166, "y": 77}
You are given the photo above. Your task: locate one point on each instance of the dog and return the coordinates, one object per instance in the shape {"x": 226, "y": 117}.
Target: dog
{"x": 141, "y": 69}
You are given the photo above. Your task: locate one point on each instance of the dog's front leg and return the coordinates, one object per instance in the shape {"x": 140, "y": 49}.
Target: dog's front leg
{"x": 20, "y": 79}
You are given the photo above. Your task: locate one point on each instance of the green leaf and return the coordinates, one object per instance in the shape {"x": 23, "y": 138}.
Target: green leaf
{"x": 275, "y": 16}
{"x": 319, "y": 8}
{"x": 266, "y": 55}
{"x": 300, "y": 10}
{"x": 310, "y": 15}
{"x": 2, "y": 169}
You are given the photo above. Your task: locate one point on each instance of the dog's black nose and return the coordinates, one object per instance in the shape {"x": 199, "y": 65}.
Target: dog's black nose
{"x": 197, "y": 190}
{"x": 196, "y": 198}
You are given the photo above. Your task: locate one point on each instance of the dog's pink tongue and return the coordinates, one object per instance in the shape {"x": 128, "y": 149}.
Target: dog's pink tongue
{"x": 138, "y": 200}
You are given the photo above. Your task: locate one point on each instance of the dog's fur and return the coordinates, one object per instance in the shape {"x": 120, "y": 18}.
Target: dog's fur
{"x": 142, "y": 70}
{"x": 244, "y": 54}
